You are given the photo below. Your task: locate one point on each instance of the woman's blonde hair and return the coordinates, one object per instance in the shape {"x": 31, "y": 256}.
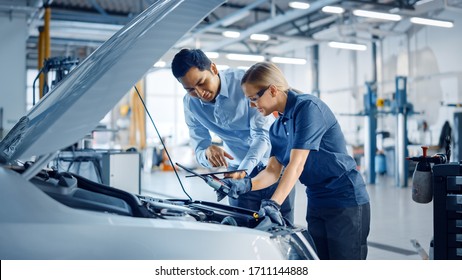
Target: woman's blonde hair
{"x": 263, "y": 74}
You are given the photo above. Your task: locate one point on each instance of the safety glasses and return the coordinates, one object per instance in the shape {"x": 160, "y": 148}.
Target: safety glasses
{"x": 259, "y": 94}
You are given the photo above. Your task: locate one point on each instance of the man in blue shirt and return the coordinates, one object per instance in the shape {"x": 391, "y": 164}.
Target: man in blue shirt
{"x": 215, "y": 102}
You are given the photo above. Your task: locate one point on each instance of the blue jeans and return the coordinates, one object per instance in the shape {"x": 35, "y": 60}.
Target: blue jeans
{"x": 252, "y": 200}
{"x": 340, "y": 233}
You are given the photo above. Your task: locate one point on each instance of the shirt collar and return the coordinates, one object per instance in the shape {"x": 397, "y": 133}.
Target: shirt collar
{"x": 290, "y": 106}
{"x": 223, "y": 85}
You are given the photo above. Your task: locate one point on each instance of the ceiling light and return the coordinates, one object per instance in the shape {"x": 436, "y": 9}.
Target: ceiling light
{"x": 245, "y": 57}
{"x": 160, "y": 64}
{"x": 259, "y": 37}
{"x": 369, "y": 14}
{"x": 348, "y": 46}
{"x": 288, "y": 60}
{"x": 212, "y": 54}
{"x": 231, "y": 34}
{"x": 432, "y": 22}
{"x": 299, "y": 5}
{"x": 333, "y": 10}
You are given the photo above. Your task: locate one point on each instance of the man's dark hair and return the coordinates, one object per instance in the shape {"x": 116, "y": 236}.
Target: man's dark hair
{"x": 188, "y": 58}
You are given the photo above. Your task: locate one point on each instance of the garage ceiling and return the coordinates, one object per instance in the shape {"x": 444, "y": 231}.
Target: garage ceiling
{"x": 80, "y": 26}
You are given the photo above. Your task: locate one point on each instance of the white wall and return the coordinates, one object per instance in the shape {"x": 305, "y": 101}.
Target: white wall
{"x": 343, "y": 74}
{"x": 299, "y": 76}
{"x": 13, "y": 31}
{"x": 431, "y": 58}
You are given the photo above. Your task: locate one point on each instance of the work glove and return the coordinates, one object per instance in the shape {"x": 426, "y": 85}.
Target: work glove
{"x": 271, "y": 209}
{"x": 238, "y": 187}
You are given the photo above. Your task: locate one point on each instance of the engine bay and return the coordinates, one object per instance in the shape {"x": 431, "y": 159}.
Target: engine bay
{"x": 78, "y": 192}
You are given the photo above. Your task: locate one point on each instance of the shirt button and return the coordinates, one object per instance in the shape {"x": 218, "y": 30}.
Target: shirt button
{"x": 287, "y": 133}
{"x": 284, "y": 123}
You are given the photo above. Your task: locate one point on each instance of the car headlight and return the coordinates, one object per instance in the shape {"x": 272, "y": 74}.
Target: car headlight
{"x": 296, "y": 245}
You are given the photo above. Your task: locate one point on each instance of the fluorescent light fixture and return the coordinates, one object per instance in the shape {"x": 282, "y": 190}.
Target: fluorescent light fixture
{"x": 212, "y": 54}
{"x": 259, "y": 37}
{"x": 432, "y": 22}
{"x": 288, "y": 60}
{"x": 231, "y": 34}
{"x": 333, "y": 10}
{"x": 245, "y": 57}
{"x": 348, "y": 46}
{"x": 160, "y": 64}
{"x": 377, "y": 15}
{"x": 299, "y": 5}
{"x": 222, "y": 66}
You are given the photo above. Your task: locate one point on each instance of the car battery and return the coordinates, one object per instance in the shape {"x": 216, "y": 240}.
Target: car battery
{"x": 447, "y": 211}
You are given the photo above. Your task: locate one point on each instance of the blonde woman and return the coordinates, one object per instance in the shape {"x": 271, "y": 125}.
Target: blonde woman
{"x": 308, "y": 144}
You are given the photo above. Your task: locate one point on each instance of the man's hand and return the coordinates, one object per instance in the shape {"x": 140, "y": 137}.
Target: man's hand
{"x": 271, "y": 209}
{"x": 217, "y": 156}
{"x": 238, "y": 187}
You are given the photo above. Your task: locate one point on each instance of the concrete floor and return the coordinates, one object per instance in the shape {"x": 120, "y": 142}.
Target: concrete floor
{"x": 395, "y": 218}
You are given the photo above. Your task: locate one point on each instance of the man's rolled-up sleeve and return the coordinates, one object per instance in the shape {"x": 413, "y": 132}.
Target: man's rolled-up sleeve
{"x": 199, "y": 136}
{"x": 260, "y": 143}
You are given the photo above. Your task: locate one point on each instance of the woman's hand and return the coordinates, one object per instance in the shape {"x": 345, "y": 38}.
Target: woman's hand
{"x": 238, "y": 187}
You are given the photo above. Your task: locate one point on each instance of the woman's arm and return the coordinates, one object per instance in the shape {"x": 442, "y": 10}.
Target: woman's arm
{"x": 268, "y": 176}
{"x": 291, "y": 174}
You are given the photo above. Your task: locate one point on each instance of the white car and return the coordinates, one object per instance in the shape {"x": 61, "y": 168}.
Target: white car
{"x": 45, "y": 214}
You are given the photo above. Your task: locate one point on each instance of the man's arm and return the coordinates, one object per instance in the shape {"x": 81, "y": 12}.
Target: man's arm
{"x": 260, "y": 143}
{"x": 199, "y": 134}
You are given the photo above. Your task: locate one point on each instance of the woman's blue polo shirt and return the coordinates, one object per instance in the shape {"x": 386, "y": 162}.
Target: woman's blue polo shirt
{"x": 329, "y": 174}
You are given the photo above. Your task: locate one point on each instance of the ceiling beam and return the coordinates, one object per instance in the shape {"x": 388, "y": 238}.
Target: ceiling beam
{"x": 227, "y": 18}
{"x": 271, "y": 23}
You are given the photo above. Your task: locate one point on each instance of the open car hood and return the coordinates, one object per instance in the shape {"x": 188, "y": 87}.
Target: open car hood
{"x": 77, "y": 104}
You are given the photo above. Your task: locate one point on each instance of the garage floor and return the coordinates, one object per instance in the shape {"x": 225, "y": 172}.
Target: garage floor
{"x": 395, "y": 218}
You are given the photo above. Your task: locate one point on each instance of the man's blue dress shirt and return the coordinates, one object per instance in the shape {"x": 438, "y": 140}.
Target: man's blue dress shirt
{"x": 243, "y": 129}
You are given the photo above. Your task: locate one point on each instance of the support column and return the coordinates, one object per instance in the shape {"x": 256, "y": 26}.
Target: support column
{"x": 13, "y": 30}
{"x": 370, "y": 144}
{"x": 40, "y": 60}
{"x": 315, "y": 70}
{"x": 45, "y": 45}
{"x": 401, "y": 164}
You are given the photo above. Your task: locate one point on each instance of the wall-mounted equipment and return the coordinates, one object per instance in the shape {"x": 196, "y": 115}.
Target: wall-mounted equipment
{"x": 54, "y": 70}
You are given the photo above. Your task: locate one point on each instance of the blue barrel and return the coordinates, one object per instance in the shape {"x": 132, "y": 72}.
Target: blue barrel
{"x": 380, "y": 164}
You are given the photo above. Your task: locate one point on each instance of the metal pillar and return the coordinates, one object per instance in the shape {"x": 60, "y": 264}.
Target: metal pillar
{"x": 457, "y": 140}
{"x": 370, "y": 145}
{"x": 1, "y": 123}
{"x": 401, "y": 165}
{"x": 315, "y": 70}
{"x": 41, "y": 59}
{"x": 44, "y": 48}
